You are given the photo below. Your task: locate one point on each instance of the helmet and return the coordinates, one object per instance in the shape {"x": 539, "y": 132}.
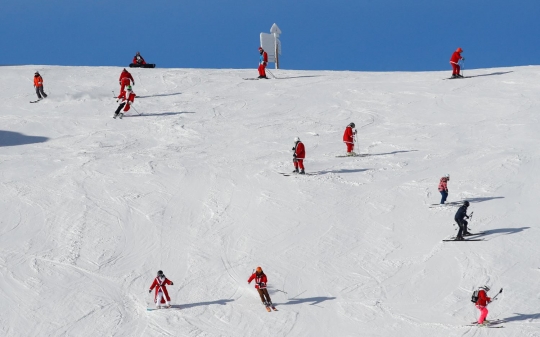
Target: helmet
{"x": 296, "y": 139}
{"x": 128, "y": 88}
{"x": 459, "y": 50}
{"x": 447, "y": 175}
{"x": 36, "y": 73}
{"x": 466, "y": 203}
{"x": 486, "y": 288}
{"x": 160, "y": 273}
{"x": 138, "y": 53}
{"x": 260, "y": 48}
{"x": 352, "y": 125}
{"x": 258, "y": 270}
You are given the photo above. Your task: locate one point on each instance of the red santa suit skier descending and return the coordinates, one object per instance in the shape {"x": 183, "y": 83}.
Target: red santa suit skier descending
{"x": 348, "y": 139}
{"x": 263, "y": 60}
{"x": 161, "y": 295}
{"x": 454, "y": 61}
{"x": 260, "y": 284}
{"x": 126, "y": 98}
{"x": 482, "y": 303}
{"x": 298, "y": 156}
{"x": 125, "y": 80}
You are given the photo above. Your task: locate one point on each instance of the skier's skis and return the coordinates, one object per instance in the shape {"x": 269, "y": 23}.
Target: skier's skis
{"x": 464, "y": 240}
{"x": 251, "y": 78}
{"x": 268, "y": 309}
{"x": 274, "y": 308}
{"x": 35, "y": 101}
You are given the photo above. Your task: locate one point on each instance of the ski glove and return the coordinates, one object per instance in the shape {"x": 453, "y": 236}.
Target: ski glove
{"x": 149, "y": 291}
{"x": 294, "y": 155}
{"x": 172, "y": 283}
{"x": 463, "y": 58}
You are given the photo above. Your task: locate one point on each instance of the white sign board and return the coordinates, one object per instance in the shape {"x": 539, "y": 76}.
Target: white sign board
{"x": 268, "y": 44}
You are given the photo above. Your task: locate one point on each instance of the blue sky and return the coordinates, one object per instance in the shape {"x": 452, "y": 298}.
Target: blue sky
{"x": 366, "y": 35}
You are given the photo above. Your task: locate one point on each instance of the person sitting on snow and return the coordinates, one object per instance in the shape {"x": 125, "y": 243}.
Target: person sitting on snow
{"x": 138, "y": 59}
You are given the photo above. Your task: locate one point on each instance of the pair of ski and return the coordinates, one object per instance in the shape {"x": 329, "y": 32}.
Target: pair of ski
{"x": 295, "y": 174}
{"x": 121, "y": 115}
{"x": 454, "y": 239}
{"x": 492, "y": 324}
{"x": 273, "y": 307}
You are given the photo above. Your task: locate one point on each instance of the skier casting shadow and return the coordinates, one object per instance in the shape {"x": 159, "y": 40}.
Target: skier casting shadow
{"x": 460, "y": 216}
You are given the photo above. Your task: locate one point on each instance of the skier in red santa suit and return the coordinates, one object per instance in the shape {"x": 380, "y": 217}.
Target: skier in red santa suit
{"x": 161, "y": 295}
{"x": 125, "y": 79}
{"x": 263, "y": 60}
{"x": 454, "y": 61}
{"x": 126, "y": 98}
{"x": 298, "y": 156}
{"x": 348, "y": 139}
{"x": 481, "y": 304}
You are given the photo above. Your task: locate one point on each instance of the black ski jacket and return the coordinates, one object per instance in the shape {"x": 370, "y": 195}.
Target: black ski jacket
{"x": 461, "y": 213}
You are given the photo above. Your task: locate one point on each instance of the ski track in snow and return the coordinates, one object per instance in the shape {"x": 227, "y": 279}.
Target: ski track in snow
{"x": 93, "y": 206}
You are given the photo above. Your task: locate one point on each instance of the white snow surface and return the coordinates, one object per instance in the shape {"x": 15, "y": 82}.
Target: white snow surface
{"x": 92, "y": 207}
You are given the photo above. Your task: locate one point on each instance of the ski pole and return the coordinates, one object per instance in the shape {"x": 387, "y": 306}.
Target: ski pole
{"x": 462, "y": 68}
{"x": 271, "y": 74}
{"x": 282, "y": 291}
{"x": 135, "y": 110}
{"x": 494, "y": 297}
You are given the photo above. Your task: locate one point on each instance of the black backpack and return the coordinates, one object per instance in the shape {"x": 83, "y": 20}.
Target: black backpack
{"x": 474, "y": 297}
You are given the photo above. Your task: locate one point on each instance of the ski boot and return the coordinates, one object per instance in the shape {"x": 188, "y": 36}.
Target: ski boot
{"x": 295, "y": 170}
{"x": 121, "y": 115}
{"x": 115, "y": 115}
{"x": 302, "y": 171}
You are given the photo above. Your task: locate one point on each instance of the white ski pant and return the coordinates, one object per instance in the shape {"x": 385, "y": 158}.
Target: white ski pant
{"x": 160, "y": 296}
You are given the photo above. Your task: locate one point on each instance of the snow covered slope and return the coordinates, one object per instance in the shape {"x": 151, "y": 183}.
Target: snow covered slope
{"x": 92, "y": 207}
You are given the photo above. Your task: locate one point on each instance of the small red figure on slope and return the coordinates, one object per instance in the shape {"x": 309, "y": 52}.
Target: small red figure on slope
{"x": 125, "y": 80}
{"x": 263, "y": 60}
{"x": 482, "y": 303}
{"x": 454, "y": 61}
{"x": 260, "y": 285}
{"x": 161, "y": 295}
{"x": 348, "y": 139}
{"x": 298, "y": 156}
{"x": 443, "y": 188}
{"x": 138, "y": 59}
{"x": 38, "y": 84}
{"x": 126, "y": 98}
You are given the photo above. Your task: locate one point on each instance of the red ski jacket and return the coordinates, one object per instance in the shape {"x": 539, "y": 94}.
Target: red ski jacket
{"x": 38, "y": 81}
{"x": 348, "y": 135}
{"x": 443, "y": 184}
{"x": 129, "y": 98}
{"x": 139, "y": 61}
{"x": 161, "y": 285}
{"x": 300, "y": 151}
{"x": 455, "y": 57}
{"x": 483, "y": 300}
{"x": 260, "y": 280}
{"x": 126, "y": 74}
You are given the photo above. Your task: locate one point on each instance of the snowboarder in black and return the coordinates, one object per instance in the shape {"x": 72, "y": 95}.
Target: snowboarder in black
{"x": 461, "y": 214}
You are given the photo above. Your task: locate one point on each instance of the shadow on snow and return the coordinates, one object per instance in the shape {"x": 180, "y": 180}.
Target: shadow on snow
{"x": 313, "y": 300}
{"x": 160, "y": 95}
{"x": 200, "y": 304}
{"x": 386, "y": 153}
{"x": 160, "y": 114}
{"x": 505, "y": 231}
{"x": 522, "y": 317}
{"x": 10, "y": 138}
{"x": 492, "y": 74}
{"x": 339, "y": 171}
{"x": 286, "y": 78}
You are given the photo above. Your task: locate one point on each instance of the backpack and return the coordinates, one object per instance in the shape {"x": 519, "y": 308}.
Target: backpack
{"x": 474, "y": 297}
